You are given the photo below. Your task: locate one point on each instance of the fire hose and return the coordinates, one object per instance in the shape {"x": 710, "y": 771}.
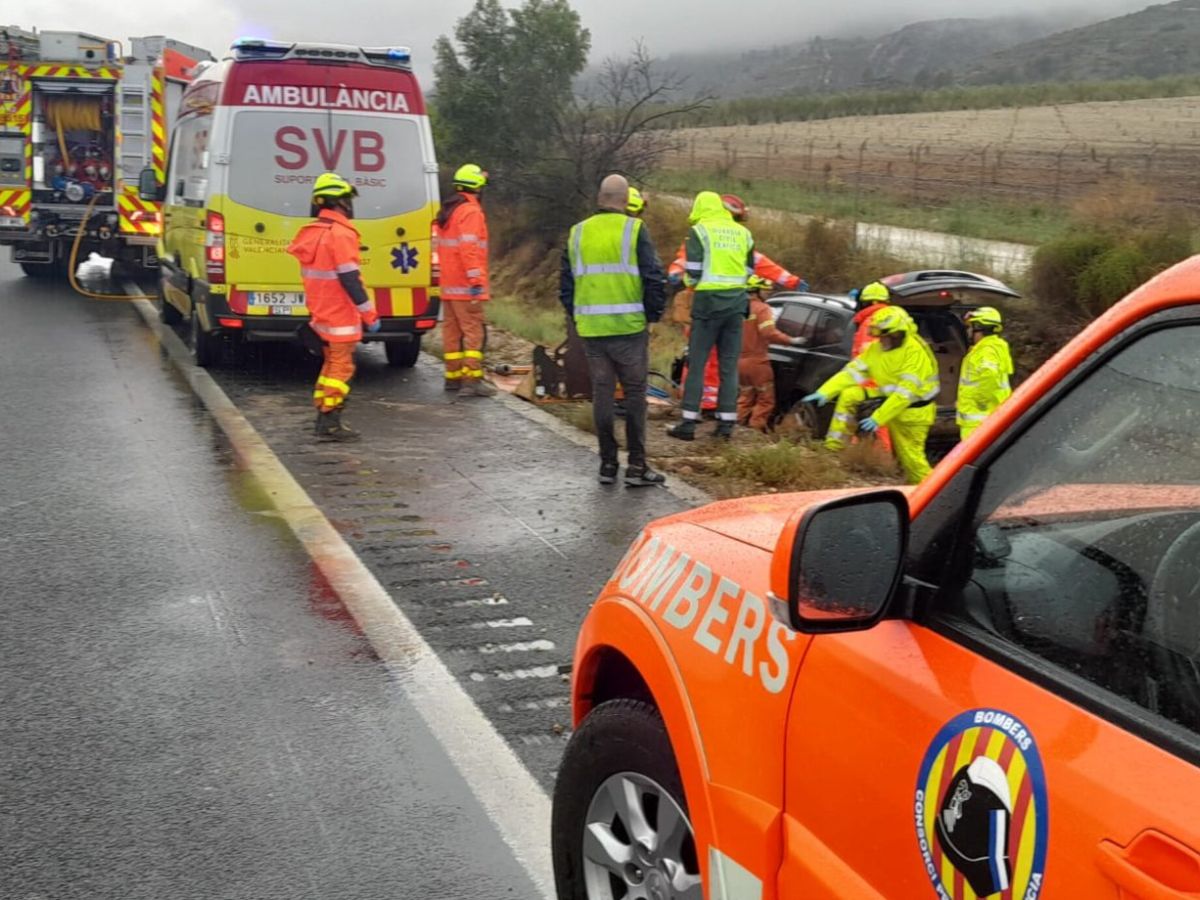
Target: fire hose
{"x": 92, "y": 295}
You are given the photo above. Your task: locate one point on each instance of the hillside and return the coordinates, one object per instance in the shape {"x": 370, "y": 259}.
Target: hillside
{"x": 1160, "y": 40}
{"x": 926, "y": 54}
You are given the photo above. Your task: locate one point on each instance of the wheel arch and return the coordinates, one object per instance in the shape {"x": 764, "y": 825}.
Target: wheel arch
{"x": 621, "y": 654}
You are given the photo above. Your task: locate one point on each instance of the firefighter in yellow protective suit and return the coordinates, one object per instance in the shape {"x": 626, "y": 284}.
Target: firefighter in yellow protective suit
{"x": 905, "y": 373}
{"x": 986, "y": 370}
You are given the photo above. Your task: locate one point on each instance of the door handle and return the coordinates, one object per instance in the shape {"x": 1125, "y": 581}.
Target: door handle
{"x": 1153, "y": 867}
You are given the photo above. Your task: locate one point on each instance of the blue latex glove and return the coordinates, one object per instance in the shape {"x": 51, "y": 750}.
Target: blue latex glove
{"x": 868, "y": 426}
{"x": 477, "y": 290}
{"x": 374, "y": 326}
{"x": 803, "y": 286}
{"x": 817, "y": 398}
{"x": 675, "y": 278}
{"x": 854, "y": 294}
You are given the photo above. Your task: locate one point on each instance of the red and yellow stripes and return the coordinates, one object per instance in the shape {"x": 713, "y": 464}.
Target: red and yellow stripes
{"x": 158, "y": 125}
{"x": 138, "y": 216}
{"x": 16, "y": 203}
{"x": 56, "y": 70}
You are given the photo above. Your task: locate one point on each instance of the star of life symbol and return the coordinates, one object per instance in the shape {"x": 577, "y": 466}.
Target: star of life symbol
{"x": 405, "y": 258}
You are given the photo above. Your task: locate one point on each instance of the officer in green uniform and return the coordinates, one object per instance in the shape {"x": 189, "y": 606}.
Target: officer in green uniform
{"x": 720, "y": 261}
{"x": 612, "y": 285}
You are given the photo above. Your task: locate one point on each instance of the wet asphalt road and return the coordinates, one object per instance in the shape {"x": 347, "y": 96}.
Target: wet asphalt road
{"x": 489, "y": 531}
{"x": 186, "y": 710}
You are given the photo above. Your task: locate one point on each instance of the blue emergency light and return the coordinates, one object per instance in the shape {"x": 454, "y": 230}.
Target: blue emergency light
{"x": 400, "y": 54}
{"x": 249, "y": 47}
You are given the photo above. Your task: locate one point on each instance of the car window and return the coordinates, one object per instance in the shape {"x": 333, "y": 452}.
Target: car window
{"x": 1087, "y": 544}
{"x": 277, "y": 155}
{"x": 830, "y": 329}
{"x": 798, "y": 320}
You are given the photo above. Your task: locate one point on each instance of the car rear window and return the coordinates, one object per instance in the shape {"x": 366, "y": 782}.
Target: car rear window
{"x": 277, "y": 154}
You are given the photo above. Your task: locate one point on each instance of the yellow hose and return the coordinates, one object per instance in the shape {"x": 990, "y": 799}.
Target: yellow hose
{"x": 75, "y": 256}
{"x": 72, "y": 114}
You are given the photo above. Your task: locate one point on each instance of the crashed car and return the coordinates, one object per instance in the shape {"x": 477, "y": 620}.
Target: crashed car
{"x": 936, "y": 298}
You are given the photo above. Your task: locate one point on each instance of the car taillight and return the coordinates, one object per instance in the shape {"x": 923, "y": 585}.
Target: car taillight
{"x": 214, "y": 247}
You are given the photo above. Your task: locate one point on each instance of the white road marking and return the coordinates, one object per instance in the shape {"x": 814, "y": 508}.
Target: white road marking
{"x": 513, "y": 800}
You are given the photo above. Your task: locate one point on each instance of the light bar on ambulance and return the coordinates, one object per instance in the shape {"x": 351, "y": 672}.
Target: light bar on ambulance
{"x": 257, "y": 48}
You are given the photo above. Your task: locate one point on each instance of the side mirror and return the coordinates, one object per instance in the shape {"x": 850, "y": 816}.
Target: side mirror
{"x": 841, "y": 567}
{"x": 149, "y": 188}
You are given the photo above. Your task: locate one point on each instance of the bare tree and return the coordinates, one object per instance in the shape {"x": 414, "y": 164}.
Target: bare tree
{"x": 620, "y": 124}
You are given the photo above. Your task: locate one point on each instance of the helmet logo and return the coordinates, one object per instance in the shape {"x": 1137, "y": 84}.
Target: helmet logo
{"x": 982, "y": 814}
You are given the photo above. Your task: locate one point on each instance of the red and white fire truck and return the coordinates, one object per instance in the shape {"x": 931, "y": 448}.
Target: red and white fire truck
{"x": 79, "y": 120}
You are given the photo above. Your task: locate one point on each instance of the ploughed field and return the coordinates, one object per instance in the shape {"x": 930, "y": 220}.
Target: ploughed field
{"x": 1041, "y": 154}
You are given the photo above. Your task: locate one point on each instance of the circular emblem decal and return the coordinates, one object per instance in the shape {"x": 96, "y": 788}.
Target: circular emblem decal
{"x": 982, "y": 814}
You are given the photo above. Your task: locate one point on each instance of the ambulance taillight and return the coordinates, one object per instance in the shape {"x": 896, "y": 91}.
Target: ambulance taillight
{"x": 214, "y": 248}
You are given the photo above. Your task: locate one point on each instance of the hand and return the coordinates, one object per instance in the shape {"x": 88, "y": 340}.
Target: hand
{"x": 374, "y": 327}
{"x": 817, "y": 398}
{"x": 476, "y": 290}
{"x": 868, "y": 426}
{"x": 799, "y": 342}
{"x": 803, "y": 286}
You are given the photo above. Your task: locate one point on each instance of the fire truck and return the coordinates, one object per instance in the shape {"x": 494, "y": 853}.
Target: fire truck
{"x": 80, "y": 119}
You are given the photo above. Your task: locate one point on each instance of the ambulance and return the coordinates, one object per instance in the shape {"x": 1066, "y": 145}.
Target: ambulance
{"x": 986, "y": 686}
{"x": 253, "y": 133}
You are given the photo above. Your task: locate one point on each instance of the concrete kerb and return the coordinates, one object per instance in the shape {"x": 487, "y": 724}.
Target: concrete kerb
{"x": 513, "y": 800}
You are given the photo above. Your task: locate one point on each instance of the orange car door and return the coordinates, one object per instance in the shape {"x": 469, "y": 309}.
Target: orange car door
{"x": 1034, "y": 731}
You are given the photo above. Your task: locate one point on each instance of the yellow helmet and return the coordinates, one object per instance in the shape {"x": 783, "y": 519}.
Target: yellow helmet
{"x": 985, "y": 317}
{"x": 759, "y": 284}
{"x": 890, "y": 320}
{"x": 470, "y": 177}
{"x": 333, "y": 185}
{"x": 875, "y": 292}
{"x": 637, "y": 203}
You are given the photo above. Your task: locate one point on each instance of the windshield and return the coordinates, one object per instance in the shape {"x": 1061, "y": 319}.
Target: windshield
{"x": 277, "y": 155}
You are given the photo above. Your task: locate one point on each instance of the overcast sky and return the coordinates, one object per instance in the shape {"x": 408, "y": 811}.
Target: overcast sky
{"x": 669, "y": 26}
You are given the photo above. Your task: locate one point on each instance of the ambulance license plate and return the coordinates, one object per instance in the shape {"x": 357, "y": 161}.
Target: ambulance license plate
{"x": 280, "y": 303}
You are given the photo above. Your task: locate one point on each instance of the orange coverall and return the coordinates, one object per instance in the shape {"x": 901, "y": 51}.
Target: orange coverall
{"x": 756, "y": 397}
{"x": 462, "y": 243}
{"x": 337, "y": 302}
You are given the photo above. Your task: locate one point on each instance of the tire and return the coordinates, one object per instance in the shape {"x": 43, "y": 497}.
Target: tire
{"x": 167, "y": 313}
{"x": 403, "y": 354}
{"x": 203, "y": 345}
{"x": 38, "y": 270}
{"x": 622, "y": 749}
{"x": 806, "y": 419}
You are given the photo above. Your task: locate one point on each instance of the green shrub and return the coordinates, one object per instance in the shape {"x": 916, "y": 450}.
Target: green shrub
{"x": 1057, "y": 266}
{"x": 1109, "y": 277}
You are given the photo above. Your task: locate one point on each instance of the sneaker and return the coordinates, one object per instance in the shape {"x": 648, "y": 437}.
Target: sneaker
{"x": 684, "y": 431}
{"x": 477, "y": 387}
{"x": 608, "y": 473}
{"x": 643, "y": 476}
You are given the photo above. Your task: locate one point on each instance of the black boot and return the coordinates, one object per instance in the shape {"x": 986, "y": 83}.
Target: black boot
{"x": 608, "y": 473}
{"x": 684, "y": 431}
{"x": 724, "y": 431}
{"x": 331, "y": 428}
{"x": 319, "y": 424}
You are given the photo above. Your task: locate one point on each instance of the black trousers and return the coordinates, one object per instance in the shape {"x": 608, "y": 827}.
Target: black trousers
{"x": 624, "y": 359}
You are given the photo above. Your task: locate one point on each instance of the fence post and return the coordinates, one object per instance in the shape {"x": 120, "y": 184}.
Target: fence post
{"x": 862, "y": 152}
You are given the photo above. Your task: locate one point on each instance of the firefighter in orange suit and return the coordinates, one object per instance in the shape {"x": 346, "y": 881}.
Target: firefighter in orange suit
{"x": 756, "y": 378}
{"x": 463, "y": 252}
{"x": 338, "y": 305}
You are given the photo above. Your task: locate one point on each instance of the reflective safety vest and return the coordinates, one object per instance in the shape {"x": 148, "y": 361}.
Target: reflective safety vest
{"x": 608, "y": 284}
{"x": 984, "y": 383}
{"x": 727, "y": 247}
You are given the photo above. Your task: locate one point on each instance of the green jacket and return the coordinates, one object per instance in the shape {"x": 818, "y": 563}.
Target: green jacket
{"x": 718, "y": 248}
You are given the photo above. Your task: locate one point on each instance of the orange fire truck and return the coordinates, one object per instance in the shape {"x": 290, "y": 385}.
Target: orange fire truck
{"x": 79, "y": 120}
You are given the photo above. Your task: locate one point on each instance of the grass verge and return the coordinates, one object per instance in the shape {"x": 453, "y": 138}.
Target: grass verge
{"x": 1021, "y": 223}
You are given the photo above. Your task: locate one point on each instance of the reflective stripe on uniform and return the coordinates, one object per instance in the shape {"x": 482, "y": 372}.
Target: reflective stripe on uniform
{"x": 473, "y": 354}
{"x": 319, "y": 274}
{"x": 364, "y": 307}
{"x": 972, "y": 417}
{"x": 707, "y": 276}
{"x": 454, "y": 354}
{"x": 610, "y": 309}
{"x": 456, "y": 373}
{"x": 474, "y": 273}
{"x": 333, "y": 384}
{"x": 763, "y": 326}
{"x": 347, "y": 267}
{"x": 627, "y": 265}
{"x": 321, "y": 328}
{"x": 456, "y": 291}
